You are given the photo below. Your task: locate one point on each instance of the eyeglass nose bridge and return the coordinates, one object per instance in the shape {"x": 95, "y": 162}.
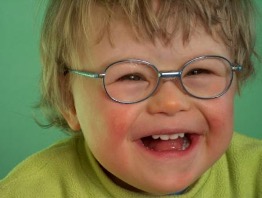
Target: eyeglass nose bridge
{"x": 170, "y": 74}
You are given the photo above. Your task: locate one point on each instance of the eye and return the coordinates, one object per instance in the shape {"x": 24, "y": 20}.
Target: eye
{"x": 132, "y": 77}
{"x": 199, "y": 71}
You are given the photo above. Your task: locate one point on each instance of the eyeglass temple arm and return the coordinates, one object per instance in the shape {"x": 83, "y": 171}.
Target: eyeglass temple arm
{"x": 237, "y": 67}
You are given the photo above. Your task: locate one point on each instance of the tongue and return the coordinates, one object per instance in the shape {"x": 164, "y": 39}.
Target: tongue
{"x": 158, "y": 145}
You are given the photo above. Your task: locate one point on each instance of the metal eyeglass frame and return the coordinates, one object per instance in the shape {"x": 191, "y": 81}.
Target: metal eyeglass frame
{"x": 161, "y": 74}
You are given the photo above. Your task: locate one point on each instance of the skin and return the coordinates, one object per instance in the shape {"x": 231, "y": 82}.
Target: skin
{"x": 112, "y": 131}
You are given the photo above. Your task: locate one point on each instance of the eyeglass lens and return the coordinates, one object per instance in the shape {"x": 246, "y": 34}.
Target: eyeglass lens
{"x": 130, "y": 81}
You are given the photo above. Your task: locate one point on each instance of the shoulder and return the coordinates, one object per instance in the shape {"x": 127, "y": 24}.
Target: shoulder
{"x": 245, "y": 150}
{"x": 46, "y": 158}
{"x": 238, "y": 173}
{"x": 244, "y": 159}
{"x": 244, "y": 145}
{"x": 41, "y": 170}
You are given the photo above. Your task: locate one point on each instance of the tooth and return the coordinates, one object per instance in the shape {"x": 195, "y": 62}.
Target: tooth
{"x": 164, "y": 137}
{"x": 181, "y": 135}
{"x": 155, "y": 137}
{"x": 167, "y": 137}
{"x": 174, "y": 136}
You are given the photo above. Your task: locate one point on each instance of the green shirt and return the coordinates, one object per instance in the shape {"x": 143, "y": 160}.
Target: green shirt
{"x": 68, "y": 170}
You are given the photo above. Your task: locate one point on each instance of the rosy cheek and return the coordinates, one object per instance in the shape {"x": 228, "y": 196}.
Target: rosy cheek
{"x": 118, "y": 119}
{"x": 219, "y": 115}
{"x": 115, "y": 127}
{"x": 108, "y": 118}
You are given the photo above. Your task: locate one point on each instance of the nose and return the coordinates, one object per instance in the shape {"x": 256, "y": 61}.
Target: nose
{"x": 169, "y": 99}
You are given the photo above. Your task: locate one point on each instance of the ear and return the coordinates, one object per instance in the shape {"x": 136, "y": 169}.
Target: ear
{"x": 72, "y": 120}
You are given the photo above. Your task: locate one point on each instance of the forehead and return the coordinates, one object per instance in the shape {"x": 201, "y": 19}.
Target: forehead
{"x": 111, "y": 33}
{"x": 121, "y": 41}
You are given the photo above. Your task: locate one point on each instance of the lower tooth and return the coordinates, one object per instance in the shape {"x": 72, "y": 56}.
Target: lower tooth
{"x": 185, "y": 144}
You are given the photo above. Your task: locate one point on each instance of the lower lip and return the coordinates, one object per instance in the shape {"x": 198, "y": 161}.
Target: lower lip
{"x": 194, "y": 139}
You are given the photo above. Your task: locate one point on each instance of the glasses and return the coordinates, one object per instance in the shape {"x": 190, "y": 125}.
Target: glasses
{"x": 131, "y": 81}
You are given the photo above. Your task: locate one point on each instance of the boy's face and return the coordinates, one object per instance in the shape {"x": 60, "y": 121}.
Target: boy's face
{"x": 114, "y": 131}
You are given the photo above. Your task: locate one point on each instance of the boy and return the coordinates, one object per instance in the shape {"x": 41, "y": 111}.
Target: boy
{"x": 147, "y": 88}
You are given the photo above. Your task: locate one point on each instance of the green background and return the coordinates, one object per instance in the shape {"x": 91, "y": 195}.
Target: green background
{"x": 20, "y": 22}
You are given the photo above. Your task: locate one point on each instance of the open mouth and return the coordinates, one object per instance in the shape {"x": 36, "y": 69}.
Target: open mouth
{"x": 171, "y": 142}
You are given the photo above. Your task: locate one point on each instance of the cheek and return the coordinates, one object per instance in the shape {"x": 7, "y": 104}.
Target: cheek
{"x": 103, "y": 121}
{"x": 220, "y": 112}
{"x": 118, "y": 119}
{"x": 219, "y": 116}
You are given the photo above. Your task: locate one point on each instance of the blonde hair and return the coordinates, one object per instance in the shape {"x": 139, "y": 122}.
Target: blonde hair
{"x": 67, "y": 25}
